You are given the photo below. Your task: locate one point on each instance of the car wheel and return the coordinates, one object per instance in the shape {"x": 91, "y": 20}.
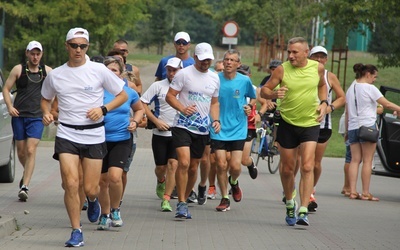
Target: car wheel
{"x": 7, "y": 172}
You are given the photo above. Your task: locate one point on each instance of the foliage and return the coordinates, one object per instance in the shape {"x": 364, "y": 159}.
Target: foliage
{"x": 48, "y": 21}
{"x": 382, "y": 14}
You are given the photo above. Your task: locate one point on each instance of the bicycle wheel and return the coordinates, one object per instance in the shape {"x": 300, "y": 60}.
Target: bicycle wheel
{"x": 273, "y": 163}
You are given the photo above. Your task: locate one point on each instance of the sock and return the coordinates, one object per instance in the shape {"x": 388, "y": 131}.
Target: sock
{"x": 233, "y": 182}
{"x": 24, "y": 187}
{"x": 290, "y": 203}
{"x": 226, "y": 197}
{"x": 252, "y": 164}
{"x": 303, "y": 210}
{"x": 167, "y": 197}
{"x": 91, "y": 200}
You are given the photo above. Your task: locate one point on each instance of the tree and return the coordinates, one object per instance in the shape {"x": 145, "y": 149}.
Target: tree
{"x": 49, "y": 20}
{"x": 382, "y": 14}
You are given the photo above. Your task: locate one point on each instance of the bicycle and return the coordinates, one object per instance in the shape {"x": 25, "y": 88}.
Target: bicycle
{"x": 262, "y": 145}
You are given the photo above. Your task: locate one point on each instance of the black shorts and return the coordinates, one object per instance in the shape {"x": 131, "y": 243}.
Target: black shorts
{"x": 163, "y": 149}
{"x": 118, "y": 154}
{"x": 290, "y": 136}
{"x": 227, "y": 145}
{"x": 91, "y": 151}
{"x": 251, "y": 134}
{"x": 184, "y": 138}
{"x": 324, "y": 135}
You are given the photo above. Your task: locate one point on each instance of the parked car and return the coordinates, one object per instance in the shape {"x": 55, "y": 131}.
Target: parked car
{"x": 387, "y": 157}
{"x": 7, "y": 145}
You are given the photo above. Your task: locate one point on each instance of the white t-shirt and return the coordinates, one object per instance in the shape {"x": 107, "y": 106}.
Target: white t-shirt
{"x": 196, "y": 88}
{"x": 79, "y": 89}
{"x": 162, "y": 110}
{"x": 367, "y": 95}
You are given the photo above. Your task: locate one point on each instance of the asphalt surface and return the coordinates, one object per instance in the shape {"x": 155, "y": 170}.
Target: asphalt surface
{"x": 257, "y": 222}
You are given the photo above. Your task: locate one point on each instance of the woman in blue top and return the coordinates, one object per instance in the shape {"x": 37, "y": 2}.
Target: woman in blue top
{"x": 118, "y": 126}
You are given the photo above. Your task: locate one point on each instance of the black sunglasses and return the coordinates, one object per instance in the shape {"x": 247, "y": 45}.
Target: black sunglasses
{"x": 116, "y": 58}
{"x": 75, "y": 45}
{"x": 181, "y": 42}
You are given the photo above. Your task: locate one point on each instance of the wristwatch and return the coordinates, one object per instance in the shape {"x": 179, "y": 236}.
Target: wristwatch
{"x": 104, "y": 109}
{"x": 324, "y": 101}
{"x": 332, "y": 108}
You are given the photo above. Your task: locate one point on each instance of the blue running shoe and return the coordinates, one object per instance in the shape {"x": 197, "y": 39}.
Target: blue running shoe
{"x": 76, "y": 239}
{"x": 303, "y": 219}
{"x": 93, "y": 210}
{"x": 182, "y": 211}
{"x": 116, "y": 218}
{"x": 104, "y": 222}
{"x": 291, "y": 215}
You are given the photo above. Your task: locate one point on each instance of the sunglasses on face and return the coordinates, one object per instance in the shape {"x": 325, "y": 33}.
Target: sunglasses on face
{"x": 181, "y": 42}
{"x": 75, "y": 45}
{"x": 123, "y": 50}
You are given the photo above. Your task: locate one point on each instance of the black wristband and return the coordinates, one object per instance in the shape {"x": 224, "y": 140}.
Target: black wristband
{"x": 332, "y": 108}
{"x": 104, "y": 109}
{"x": 324, "y": 101}
{"x": 251, "y": 106}
{"x": 137, "y": 124}
{"x": 217, "y": 121}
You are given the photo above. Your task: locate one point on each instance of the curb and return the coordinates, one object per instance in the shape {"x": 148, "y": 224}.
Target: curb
{"x": 8, "y": 225}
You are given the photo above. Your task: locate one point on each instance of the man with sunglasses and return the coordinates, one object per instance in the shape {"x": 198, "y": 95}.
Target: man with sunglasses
{"x": 80, "y": 141}
{"x": 122, "y": 46}
{"x": 182, "y": 45}
{"x": 198, "y": 90}
{"x": 26, "y": 114}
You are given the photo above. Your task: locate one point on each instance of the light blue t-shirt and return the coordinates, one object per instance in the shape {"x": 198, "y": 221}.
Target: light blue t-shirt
{"x": 117, "y": 120}
{"x": 232, "y": 98}
{"x": 161, "y": 72}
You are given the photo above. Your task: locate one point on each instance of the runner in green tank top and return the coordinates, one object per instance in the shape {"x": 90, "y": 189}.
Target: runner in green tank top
{"x": 302, "y": 86}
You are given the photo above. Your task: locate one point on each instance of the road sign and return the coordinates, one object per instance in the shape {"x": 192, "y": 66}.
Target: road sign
{"x": 230, "y": 29}
{"x": 229, "y": 40}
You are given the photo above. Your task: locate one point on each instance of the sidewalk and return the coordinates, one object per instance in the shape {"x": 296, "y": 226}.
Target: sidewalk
{"x": 257, "y": 222}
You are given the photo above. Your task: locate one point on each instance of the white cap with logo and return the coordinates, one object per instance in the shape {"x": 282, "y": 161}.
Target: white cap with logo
{"x": 204, "y": 51}
{"x": 77, "y": 33}
{"x": 182, "y": 35}
{"x": 34, "y": 45}
{"x": 318, "y": 49}
{"x": 174, "y": 62}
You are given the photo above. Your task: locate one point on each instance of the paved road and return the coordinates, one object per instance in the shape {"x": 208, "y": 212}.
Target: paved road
{"x": 255, "y": 223}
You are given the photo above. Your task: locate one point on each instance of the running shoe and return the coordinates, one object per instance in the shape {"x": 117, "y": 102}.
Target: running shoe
{"x": 212, "y": 193}
{"x": 182, "y": 211}
{"x": 202, "y": 197}
{"x": 160, "y": 189}
{"x": 192, "y": 197}
{"x": 85, "y": 205}
{"x": 23, "y": 194}
{"x": 116, "y": 220}
{"x": 165, "y": 206}
{"x": 93, "y": 211}
{"x": 291, "y": 214}
{"x": 224, "y": 206}
{"x": 174, "y": 194}
{"x": 76, "y": 239}
{"x": 253, "y": 172}
{"x": 302, "y": 219}
{"x": 104, "y": 222}
{"x": 236, "y": 191}
{"x": 312, "y": 205}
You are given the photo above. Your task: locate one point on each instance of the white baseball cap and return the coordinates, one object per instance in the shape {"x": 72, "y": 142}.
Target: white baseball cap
{"x": 182, "y": 35}
{"x": 77, "y": 33}
{"x": 204, "y": 51}
{"x": 34, "y": 45}
{"x": 174, "y": 62}
{"x": 318, "y": 49}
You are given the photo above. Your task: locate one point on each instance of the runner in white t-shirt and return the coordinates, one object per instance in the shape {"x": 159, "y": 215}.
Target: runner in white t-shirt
{"x": 79, "y": 86}
{"x": 198, "y": 98}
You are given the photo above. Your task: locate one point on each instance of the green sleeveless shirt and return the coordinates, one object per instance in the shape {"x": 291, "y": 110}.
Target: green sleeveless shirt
{"x": 301, "y": 101}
